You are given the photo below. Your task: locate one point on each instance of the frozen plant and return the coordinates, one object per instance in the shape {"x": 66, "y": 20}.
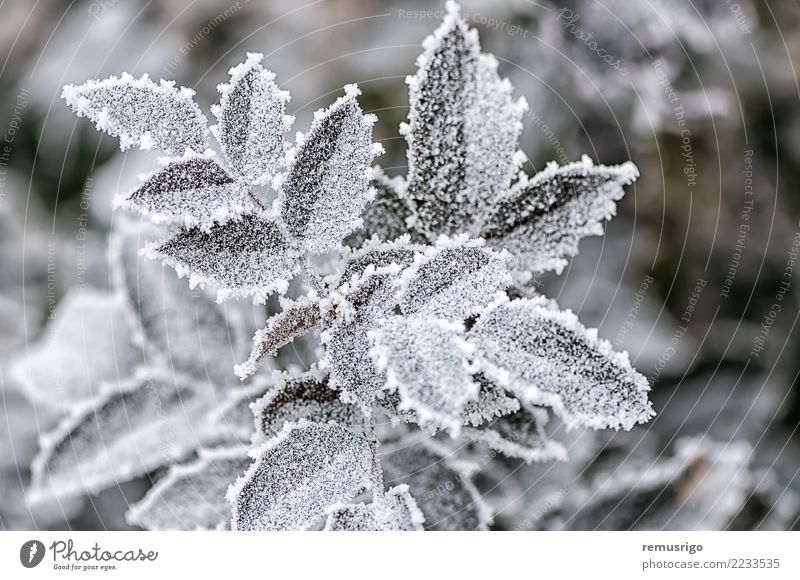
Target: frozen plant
{"x": 416, "y": 287}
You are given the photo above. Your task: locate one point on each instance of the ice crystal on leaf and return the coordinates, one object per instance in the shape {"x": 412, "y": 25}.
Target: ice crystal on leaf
{"x": 407, "y": 282}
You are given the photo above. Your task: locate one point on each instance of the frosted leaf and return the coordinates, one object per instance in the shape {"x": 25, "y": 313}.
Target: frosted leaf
{"x": 359, "y": 304}
{"x": 453, "y": 280}
{"x": 307, "y": 468}
{"x": 389, "y": 213}
{"x": 328, "y": 184}
{"x": 192, "y": 496}
{"x": 442, "y": 488}
{"x": 305, "y": 397}
{"x": 542, "y": 219}
{"x": 427, "y": 363}
{"x": 463, "y": 129}
{"x": 492, "y": 402}
{"x": 232, "y": 419}
{"x": 87, "y": 344}
{"x": 521, "y": 435}
{"x": 547, "y": 357}
{"x": 248, "y": 257}
{"x": 141, "y": 112}
{"x": 192, "y": 191}
{"x": 377, "y": 254}
{"x": 702, "y": 487}
{"x": 294, "y": 320}
{"x": 396, "y": 511}
{"x": 130, "y": 430}
{"x": 252, "y": 121}
{"x": 182, "y": 329}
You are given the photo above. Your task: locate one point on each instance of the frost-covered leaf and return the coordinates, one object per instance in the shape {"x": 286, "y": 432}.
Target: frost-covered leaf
{"x": 427, "y": 363}
{"x": 492, "y": 402}
{"x": 462, "y": 132}
{"x": 377, "y": 254}
{"x": 395, "y": 511}
{"x": 442, "y": 488}
{"x": 182, "y": 329}
{"x": 232, "y": 419}
{"x": 307, "y": 468}
{"x": 357, "y": 306}
{"x": 542, "y": 219}
{"x": 702, "y": 487}
{"x": 128, "y": 431}
{"x": 389, "y": 213}
{"x": 328, "y": 184}
{"x": 247, "y": 257}
{"x": 141, "y": 112}
{"x": 192, "y": 496}
{"x": 87, "y": 344}
{"x": 294, "y": 320}
{"x": 252, "y": 121}
{"x": 520, "y": 434}
{"x": 305, "y": 397}
{"x": 191, "y": 191}
{"x": 547, "y": 357}
{"x": 454, "y": 279}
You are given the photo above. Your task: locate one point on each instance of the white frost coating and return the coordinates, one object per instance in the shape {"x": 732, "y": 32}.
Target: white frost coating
{"x": 141, "y": 112}
{"x": 88, "y": 344}
{"x": 462, "y": 131}
{"x": 352, "y": 311}
{"x": 428, "y": 469}
{"x": 179, "y": 329}
{"x": 454, "y": 279}
{"x": 702, "y": 487}
{"x": 388, "y": 216}
{"x": 248, "y": 257}
{"x": 395, "y": 511}
{"x": 129, "y": 430}
{"x": 194, "y": 190}
{"x": 541, "y": 220}
{"x": 299, "y": 473}
{"x": 521, "y": 435}
{"x": 306, "y": 396}
{"x": 192, "y": 496}
{"x": 547, "y": 357}
{"x": 376, "y": 253}
{"x": 328, "y": 183}
{"x": 492, "y": 402}
{"x": 427, "y": 363}
{"x": 296, "y": 319}
{"x": 252, "y": 122}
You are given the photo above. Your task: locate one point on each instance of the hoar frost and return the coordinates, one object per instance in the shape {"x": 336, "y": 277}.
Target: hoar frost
{"x": 407, "y": 289}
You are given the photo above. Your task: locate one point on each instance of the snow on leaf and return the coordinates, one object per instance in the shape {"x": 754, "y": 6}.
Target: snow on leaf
{"x": 191, "y": 191}
{"x": 396, "y": 511}
{"x": 442, "y": 488}
{"x": 252, "y": 121}
{"x": 328, "y": 184}
{"x": 128, "y": 431}
{"x": 427, "y": 363}
{"x": 454, "y": 279}
{"x": 179, "y": 328}
{"x": 521, "y": 435}
{"x": 702, "y": 487}
{"x": 294, "y": 320}
{"x": 88, "y": 344}
{"x": 547, "y": 357}
{"x": 356, "y": 307}
{"x": 248, "y": 257}
{"x": 542, "y": 219}
{"x": 141, "y": 112}
{"x": 388, "y": 215}
{"x": 305, "y": 397}
{"x": 463, "y": 129}
{"x": 192, "y": 496}
{"x": 377, "y": 254}
{"x": 296, "y": 475}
